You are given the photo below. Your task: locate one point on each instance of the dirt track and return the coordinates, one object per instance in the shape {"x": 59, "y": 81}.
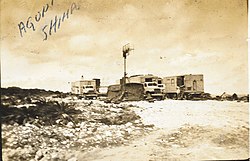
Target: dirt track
{"x": 187, "y": 130}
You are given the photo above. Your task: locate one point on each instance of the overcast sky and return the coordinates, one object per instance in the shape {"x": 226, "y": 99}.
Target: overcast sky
{"x": 170, "y": 37}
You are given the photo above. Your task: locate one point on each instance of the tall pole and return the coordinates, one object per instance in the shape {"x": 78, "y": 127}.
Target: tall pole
{"x": 125, "y": 52}
{"x": 125, "y": 73}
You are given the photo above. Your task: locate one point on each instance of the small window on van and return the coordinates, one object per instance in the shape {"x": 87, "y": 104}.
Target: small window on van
{"x": 152, "y": 84}
{"x": 148, "y": 79}
{"x": 160, "y": 85}
{"x": 172, "y": 82}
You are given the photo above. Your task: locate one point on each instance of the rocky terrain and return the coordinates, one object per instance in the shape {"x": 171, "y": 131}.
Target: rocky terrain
{"x": 46, "y": 125}
{"x": 44, "y": 128}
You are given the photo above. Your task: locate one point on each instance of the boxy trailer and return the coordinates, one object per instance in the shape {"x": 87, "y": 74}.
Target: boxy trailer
{"x": 87, "y": 89}
{"x": 183, "y": 86}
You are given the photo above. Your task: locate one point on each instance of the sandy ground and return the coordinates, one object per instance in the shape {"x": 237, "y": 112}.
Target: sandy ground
{"x": 186, "y": 130}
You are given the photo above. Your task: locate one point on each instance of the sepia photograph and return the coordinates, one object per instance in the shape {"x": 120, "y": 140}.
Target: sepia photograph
{"x": 124, "y": 80}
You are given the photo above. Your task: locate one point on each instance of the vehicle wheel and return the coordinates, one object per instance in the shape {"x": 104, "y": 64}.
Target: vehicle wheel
{"x": 175, "y": 97}
{"x": 159, "y": 98}
{"x": 189, "y": 96}
{"x": 185, "y": 96}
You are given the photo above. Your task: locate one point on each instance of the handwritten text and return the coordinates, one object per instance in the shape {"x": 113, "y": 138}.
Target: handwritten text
{"x": 47, "y": 29}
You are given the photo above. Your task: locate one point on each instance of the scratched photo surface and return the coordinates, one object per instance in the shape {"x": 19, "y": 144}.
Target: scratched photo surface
{"x": 47, "y": 44}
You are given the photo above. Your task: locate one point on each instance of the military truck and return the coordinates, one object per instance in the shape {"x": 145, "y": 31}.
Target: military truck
{"x": 87, "y": 89}
{"x": 150, "y": 84}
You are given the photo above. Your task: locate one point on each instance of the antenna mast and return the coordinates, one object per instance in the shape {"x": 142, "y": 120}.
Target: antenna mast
{"x": 125, "y": 52}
